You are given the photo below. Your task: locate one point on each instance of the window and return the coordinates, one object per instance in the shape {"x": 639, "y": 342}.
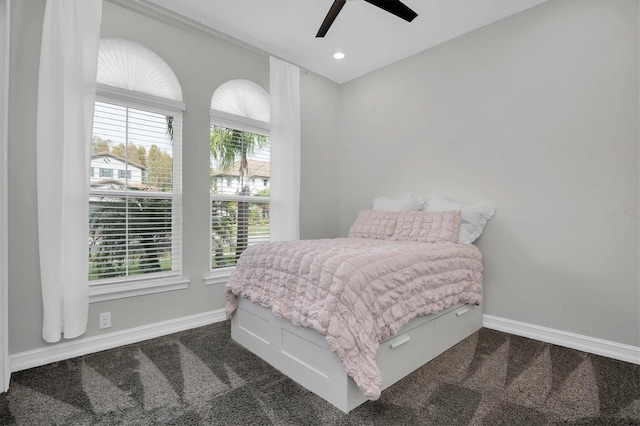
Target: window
{"x": 240, "y": 157}
{"x": 125, "y": 174}
{"x": 239, "y": 210}
{"x": 133, "y": 224}
{"x": 136, "y": 221}
{"x": 106, "y": 172}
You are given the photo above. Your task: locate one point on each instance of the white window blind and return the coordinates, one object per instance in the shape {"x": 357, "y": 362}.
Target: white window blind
{"x": 135, "y": 204}
{"x": 240, "y": 176}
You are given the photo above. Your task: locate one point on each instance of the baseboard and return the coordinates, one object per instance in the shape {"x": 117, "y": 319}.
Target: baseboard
{"x": 84, "y": 346}
{"x": 562, "y": 338}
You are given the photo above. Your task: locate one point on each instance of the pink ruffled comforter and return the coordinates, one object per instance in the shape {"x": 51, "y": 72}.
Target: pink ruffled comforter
{"x": 356, "y": 292}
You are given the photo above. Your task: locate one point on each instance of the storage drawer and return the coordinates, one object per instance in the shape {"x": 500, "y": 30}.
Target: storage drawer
{"x": 254, "y": 321}
{"x": 405, "y": 352}
{"x": 455, "y": 326}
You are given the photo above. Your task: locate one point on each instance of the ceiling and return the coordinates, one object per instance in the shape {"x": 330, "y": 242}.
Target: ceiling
{"x": 369, "y": 37}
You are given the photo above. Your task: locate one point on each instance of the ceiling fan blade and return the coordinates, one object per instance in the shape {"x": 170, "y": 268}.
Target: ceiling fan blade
{"x": 395, "y": 7}
{"x": 331, "y": 16}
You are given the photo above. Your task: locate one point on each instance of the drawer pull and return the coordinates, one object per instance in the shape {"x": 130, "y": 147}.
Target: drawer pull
{"x": 462, "y": 312}
{"x": 400, "y": 341}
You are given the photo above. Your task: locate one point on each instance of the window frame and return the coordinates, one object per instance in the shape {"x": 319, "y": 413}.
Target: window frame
{"x": 117, "y": 288}
{"x": 246, "y": 124}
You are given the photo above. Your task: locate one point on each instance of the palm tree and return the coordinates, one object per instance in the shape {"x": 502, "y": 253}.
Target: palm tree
{"x": 222, "y": 223}
{"x": 228, "y": 147}
{"x": 231, "y": 145}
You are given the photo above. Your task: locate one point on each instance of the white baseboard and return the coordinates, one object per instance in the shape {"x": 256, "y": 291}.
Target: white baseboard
{"x": 562, "y": 338}
{"x": 84, "y": 346}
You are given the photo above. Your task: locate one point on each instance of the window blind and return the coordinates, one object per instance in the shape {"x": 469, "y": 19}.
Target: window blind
{"x": 240, "y": 184}
{"x": 135, "y": 204}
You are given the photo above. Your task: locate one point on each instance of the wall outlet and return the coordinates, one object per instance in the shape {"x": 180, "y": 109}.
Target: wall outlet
{"x": 105, "y": 320}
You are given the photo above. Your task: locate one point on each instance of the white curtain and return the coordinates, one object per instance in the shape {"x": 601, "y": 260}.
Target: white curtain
{"x": 66, "y": 97}
{"x": 285, "y": 150}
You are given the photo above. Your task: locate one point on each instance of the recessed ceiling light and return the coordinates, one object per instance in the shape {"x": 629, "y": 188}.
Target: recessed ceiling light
{"x": 338, "y": 55}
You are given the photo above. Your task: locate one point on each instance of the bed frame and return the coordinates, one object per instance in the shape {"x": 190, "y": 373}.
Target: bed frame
{"x": 304, "y": 355}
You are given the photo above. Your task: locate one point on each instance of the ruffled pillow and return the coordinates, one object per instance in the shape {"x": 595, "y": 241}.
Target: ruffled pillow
{"x": 474, "y": 217}
{"x": 378, "y": 224}
{"x": 427, "y": 227}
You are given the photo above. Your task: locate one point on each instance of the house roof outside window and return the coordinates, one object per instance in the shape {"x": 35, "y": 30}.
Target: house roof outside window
{"x": 257, "y": 169}
{"x": 116, "y": 157}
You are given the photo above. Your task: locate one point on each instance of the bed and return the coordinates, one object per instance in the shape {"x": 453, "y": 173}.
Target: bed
{"x": 348, "y": 317}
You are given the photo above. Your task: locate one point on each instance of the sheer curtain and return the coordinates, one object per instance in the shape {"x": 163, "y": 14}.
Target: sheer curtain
{"x": 285, "y": 150}
{"x": 66, "y": 96}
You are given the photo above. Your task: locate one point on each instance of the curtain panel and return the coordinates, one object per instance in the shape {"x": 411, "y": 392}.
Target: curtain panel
{"x": 284, "y": 89}
{"x": 66, "y": 96}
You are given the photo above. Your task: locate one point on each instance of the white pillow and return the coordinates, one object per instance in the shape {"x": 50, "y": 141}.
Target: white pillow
{"x": 474, "y": 217}
{"x": 396, "y": 204}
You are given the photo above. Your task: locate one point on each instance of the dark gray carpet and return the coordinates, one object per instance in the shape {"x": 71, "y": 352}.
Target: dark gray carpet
{"x": 202, "y": 377}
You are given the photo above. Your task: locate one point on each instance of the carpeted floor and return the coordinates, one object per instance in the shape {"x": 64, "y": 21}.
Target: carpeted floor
{"x": 201, "y": 377}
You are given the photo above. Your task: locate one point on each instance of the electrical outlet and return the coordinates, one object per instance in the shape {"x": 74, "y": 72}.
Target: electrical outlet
{"x": 105, "y": 320}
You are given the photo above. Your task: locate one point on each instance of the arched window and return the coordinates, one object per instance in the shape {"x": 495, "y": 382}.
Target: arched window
{"x": 241, "y": 158}
{"x": 130, "y": 66}
{"x": 135, "y": 171}
{"x": 242, "y": 98}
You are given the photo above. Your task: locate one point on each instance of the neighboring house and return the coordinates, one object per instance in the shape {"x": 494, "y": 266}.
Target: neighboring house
{"x": 108, "y": 169}
{"x": 258, "y": 178}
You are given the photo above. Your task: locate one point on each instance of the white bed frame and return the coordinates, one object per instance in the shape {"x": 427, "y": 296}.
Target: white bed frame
{"x": 304, "y": 355}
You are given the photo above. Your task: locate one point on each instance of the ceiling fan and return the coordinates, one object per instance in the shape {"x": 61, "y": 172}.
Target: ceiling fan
{"x": 395, "y": 7}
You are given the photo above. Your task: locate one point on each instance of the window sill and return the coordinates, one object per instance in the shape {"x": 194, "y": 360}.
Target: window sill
{"x": 219, "y": 276}
{"x": 121, "y": 290}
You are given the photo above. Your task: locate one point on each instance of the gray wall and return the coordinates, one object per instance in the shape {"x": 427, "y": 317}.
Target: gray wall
{"x": 319, "y": 200}
{"x": 537, "y": 115}
{"x": 201, "y": 62}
